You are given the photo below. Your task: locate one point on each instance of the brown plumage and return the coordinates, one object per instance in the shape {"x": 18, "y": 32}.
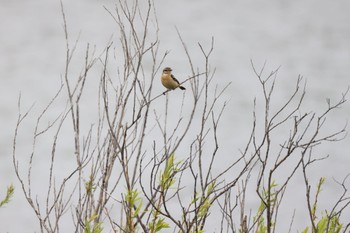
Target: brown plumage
{"x": 169, "y": 81}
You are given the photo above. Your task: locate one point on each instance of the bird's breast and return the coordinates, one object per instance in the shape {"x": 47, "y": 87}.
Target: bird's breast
{"x": 168, "y": 82}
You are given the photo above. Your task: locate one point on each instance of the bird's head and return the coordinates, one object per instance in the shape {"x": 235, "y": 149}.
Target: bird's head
{"x": 167, "y": 70}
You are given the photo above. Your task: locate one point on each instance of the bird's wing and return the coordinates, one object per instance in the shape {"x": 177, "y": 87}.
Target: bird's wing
{"x": 173, "y": 77}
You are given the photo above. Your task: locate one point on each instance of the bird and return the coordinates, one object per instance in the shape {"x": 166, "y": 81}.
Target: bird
{"x": 169, "y": 81}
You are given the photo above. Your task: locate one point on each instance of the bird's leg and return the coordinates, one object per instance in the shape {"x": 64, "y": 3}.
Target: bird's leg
{"x": 166, "y": 91}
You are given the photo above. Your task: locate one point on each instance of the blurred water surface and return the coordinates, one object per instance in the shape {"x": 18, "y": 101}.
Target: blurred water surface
{"x": 310, "y": 38}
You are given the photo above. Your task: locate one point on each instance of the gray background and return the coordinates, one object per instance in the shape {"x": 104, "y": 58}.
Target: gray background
{"x": 310, "y": 38}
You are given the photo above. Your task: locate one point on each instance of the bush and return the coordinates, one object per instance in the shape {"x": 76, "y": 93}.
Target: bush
{"x": 146, "y": 163}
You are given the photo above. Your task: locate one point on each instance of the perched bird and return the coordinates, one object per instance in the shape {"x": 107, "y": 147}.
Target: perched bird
{"x": 169, "y": 81}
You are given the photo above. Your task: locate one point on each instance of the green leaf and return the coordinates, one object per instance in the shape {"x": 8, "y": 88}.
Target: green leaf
{"x": 305, "y": 230}
{"x": 93, "y": 228}
{"x": 9, "y": 194}
{"x": 159, "y": 225}
{"x": 90, "y": 186}
{"x": 167, "y": 177}
{"x": 322, "y": 225}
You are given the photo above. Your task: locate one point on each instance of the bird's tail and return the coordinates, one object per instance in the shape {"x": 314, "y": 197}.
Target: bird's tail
{"x": 182, "y": 88}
